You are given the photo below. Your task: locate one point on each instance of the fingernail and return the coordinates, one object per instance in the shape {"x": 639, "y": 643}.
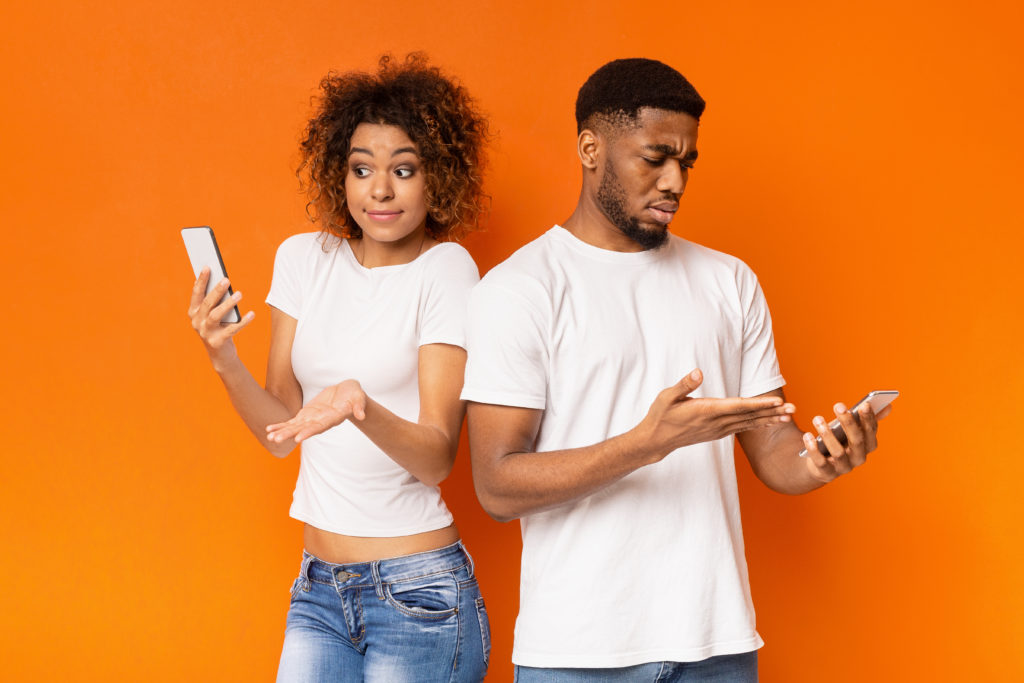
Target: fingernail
{"x": 790, "y": 408}
{"x": 695, "y": 375}
{"x": 839, "y": 408}
{"x": 785, "y": 418}
{"x": 223, "y": 281}
{"x": 819, "y": 422}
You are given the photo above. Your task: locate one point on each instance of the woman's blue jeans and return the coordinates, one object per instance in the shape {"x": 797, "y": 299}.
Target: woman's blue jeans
{"x": 412, "y": 618}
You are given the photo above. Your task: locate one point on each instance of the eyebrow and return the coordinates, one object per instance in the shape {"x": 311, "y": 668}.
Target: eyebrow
{"x": 400, "y": 150}
{"x": 669, "y": 150}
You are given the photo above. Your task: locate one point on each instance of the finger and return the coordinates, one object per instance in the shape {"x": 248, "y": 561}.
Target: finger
{"x": 869, "y": 424}
{"x": 216, "y": 293}
{"x": 726, "y": 415}
{"x": 311, "y": 429}
{"x": 218, "y": 312}
{"x": 836, "y": 450}
{"x": 856, "y": 442}
{"x": 815, "y": 456}
{"x": 232, "y": 329}
{"x": 197, "y": 291}
{"x": 743, "y": 406}
{"x": 746, "y": 424}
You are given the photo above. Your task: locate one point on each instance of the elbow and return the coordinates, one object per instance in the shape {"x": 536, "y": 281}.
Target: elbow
{"x": 279, "y": 450}
{"x": 499, "y": 508}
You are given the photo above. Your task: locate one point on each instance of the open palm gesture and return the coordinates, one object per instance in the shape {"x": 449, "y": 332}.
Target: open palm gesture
{"x": 331, "y": 407}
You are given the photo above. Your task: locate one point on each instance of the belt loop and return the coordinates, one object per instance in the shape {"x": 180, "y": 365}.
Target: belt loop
{"x": 304, "y": 571}
{"x": 378, "y": 585}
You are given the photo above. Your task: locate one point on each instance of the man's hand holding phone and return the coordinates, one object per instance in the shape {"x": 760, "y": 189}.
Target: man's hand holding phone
{"x": 858, "y": 430}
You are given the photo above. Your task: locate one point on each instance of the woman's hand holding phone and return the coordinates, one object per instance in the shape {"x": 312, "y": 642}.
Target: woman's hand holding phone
{"x": 206, "y": 313}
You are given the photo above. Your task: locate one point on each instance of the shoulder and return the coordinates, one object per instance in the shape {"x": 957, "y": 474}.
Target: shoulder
{"x": 528, "y": 267}
{"x": 717, "y": 264}
{"x": 306, "y": 245}
{"x": 449, "y": 262}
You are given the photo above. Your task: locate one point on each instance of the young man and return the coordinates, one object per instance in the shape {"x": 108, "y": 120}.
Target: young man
{"x": 633, "y": 564}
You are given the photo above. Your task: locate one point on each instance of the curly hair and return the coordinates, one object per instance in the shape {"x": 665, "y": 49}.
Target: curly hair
{"x": 435, "y": 112}
{"x": 621, "y": 88}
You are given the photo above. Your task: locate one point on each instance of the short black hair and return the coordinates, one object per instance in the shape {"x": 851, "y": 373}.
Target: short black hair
{"x": 621, "y": 88}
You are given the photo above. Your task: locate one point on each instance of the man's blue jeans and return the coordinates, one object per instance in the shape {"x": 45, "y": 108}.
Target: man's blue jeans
{"x": 740, "y": 668}
{"x": 413, "y": 618}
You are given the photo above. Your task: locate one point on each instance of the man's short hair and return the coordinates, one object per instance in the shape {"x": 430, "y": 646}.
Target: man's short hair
{"x": 621, "y": 88}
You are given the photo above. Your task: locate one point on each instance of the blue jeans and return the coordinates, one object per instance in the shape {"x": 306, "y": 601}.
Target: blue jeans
{"x": 413, "y": 618}
{"x": 740, "y": 668}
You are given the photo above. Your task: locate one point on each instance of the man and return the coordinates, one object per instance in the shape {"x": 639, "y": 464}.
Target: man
{"x": 633, "y": 564}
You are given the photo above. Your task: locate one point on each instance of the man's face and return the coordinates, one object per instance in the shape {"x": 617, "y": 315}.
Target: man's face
{"x": 645, "y": 172}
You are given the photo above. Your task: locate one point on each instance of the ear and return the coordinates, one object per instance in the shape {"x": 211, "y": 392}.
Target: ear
{"x": 589, "y": 147}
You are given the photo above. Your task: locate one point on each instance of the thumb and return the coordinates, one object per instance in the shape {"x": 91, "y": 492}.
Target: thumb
{"x": 688, "y": 384}
{"x": 358, "y": 407}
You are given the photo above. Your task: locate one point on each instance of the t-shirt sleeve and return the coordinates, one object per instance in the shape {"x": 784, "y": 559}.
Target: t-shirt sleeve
{"x": 442, "y": 314}
{"x": 760, "y": 366}
{"x": 507, "y": 362}
{"x": 289, "y": 267}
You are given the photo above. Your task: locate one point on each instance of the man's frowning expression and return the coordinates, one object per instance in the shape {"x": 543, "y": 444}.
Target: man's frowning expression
{"x": 646, "y": 167}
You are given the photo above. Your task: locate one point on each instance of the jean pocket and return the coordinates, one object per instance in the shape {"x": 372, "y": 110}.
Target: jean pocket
{"x": 431, "y": 597}
{"x": 297, "y": 584}
{"x": 485, "y": 629}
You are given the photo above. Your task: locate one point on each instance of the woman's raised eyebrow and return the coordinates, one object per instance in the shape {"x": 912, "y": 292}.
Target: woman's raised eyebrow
{"x": 400, "y": 150}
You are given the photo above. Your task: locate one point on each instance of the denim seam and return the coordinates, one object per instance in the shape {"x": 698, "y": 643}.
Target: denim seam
{"x": 393, "y": 601}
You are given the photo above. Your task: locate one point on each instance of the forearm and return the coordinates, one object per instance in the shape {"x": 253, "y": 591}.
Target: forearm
{"x": 254, "y": 404}
{"x": 779, "y": 465}
{"x": 519, "y": 484}
{"x": 425, "y": 450}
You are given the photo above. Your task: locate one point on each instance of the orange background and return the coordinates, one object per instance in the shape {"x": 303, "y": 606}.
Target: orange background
{"x": 865, "y": 159}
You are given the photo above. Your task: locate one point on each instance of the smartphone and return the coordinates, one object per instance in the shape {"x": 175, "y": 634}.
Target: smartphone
{"x": 202, "y": 250}
{"x": 878, "y": 401}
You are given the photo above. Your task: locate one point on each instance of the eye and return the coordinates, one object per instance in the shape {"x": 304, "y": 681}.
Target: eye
{"x": 652, "y": 162}
{"x": 405, "y": 172}
{"x": 359, "y": 171}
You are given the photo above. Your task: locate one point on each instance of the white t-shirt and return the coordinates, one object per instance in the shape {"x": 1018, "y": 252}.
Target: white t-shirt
{"x": 366, "y": 324}
{"x": 650, "y": 568}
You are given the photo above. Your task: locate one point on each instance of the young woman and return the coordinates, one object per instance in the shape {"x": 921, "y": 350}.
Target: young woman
{"x": 365, "y": 369}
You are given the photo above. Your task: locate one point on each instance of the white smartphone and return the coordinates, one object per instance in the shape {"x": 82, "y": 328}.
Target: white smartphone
{"x": 878, "y": 401}
{"x": 202, "y": 250}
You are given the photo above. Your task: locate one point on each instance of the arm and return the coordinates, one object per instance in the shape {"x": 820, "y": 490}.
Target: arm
{"x": 427, "y": 447}
{"x": 256, "y": 405}
{"x": 773, "y": 452}
{"x": 512, "y": 480}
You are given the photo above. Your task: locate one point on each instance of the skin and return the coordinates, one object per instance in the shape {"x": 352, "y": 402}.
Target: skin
{"x": 384, "y": 188}
{"x": 633, "y": 179}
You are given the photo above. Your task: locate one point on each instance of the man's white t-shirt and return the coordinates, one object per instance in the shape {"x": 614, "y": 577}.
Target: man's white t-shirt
{"x": 650, "y": 568}
{"x": 366, "y": 324}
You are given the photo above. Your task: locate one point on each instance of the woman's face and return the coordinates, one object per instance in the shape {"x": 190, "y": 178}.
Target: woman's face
{"x": 385, "y": 185}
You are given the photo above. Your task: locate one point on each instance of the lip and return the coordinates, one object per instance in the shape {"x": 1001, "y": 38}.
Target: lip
{"x": 383, "y": 216}
{"x": 663, "y": 212}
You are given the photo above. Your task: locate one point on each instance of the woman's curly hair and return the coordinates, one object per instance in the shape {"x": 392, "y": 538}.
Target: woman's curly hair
{"x": 436, "y": 113}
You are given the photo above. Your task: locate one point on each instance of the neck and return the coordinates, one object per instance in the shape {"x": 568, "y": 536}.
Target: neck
{"x": 373, "y": 254}
{"x": 589, "y": 224}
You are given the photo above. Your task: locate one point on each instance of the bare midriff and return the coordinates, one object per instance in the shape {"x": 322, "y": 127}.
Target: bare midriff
{"x": 342, "y": 549}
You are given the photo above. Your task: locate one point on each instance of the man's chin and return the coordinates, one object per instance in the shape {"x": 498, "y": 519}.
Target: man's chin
{"x": 647, "y": 235}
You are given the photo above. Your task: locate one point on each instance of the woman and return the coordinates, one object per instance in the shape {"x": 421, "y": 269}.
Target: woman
{"x": 365, "y": 369}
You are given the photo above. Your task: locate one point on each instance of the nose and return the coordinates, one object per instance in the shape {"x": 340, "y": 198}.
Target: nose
{"x": 382, "y": 189}
{"x": 673, "y": 179}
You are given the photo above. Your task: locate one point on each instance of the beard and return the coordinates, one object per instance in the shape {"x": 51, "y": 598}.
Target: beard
{"x": 611, "y": 198}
